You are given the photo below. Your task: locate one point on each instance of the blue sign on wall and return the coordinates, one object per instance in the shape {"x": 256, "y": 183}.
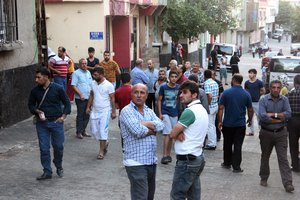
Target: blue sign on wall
{"x": 96, "y": 35}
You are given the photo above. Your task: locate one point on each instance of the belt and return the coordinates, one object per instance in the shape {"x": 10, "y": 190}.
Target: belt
{"x": 273, "y": 130}
{"x": 186, "y": 157}
{"x": 51, "y": 119}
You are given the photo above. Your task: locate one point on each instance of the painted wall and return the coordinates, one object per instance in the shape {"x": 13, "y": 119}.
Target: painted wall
{"x": 17, "y": 68}
{"x": 70, "y": 24}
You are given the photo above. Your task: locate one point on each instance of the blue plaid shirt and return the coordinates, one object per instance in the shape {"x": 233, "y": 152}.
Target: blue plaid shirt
{"x": 138, "y": 147}
{"x": 212, "y": 87}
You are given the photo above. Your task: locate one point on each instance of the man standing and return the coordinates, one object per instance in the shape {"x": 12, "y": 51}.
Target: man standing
{"x": 234, "y": 63}
{"x": 101, "y": 106}
{"x": 137, "y": 73}
{"x": 211, "y": 89}
{"x": 168, "y": 112}
{"x": 82, "y": 82}
{"x": 223, "y": 69}
{"x": 111, "y": 68}
{"x": 161, "y": 80}
{"x": 59, "y": 66}
{"x": 91, "y": 60}
{"x": 293, "y": 123}
{"x": 214, "y": 58}
{"x": 45, "y": 103}
{"x": 153, "y": 76}
{"x": 189, "y": 134}
{"x": 188, "y": 67}
{"x": 274, "y": 112}
{"x": 123, "y": 94}
{"x": 139, "y": 125}
{"x": 255, "y": 88}
{"x": 235, "y": 101}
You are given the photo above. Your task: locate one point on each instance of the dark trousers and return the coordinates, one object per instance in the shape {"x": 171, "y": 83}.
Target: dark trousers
{"x": 142, "y": 181}
{"x": 218, "y": 132}
{"x": 234, "y": 69}
{"x": 82, "y": 119}
{"x": 232, "y": 146}
{"x": 294, "y": 134}
{"x": 150, "y": 102}
{"x": 268, "y": 140}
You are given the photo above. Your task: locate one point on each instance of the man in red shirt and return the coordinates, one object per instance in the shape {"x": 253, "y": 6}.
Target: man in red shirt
{"x": 123, "y": 94}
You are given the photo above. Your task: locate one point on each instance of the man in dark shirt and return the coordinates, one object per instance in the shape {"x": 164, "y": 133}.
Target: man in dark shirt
{"x": 274, "y": 111}
{"x": 214, "y": 58}
{"x": 50, "y": 120}
{"x": 293, "y": 123}
{"x": 92, "y": 61}
{"x": 234, "y": 62}
{"x": 234, "y": 124}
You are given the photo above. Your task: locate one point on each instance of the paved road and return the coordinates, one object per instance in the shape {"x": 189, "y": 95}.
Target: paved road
{"x": 88, "y": 178}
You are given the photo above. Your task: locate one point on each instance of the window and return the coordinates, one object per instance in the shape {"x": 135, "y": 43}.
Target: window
{"x": 8, "y": 22}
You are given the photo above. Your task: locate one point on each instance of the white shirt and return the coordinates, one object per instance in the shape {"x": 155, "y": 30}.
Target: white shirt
{"x": 101, "y": 92}
{"x": 224, "y": 58}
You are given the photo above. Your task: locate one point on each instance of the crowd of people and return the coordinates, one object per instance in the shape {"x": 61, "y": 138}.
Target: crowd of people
{"x": 185, "y": 103}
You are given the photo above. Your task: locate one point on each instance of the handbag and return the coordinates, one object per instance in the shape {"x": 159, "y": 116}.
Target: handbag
{"x": 34, "y": 119}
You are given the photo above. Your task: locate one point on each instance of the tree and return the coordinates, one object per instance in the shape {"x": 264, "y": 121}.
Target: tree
{"x": 189, "y": 18}
{"x": 284, "y": 14}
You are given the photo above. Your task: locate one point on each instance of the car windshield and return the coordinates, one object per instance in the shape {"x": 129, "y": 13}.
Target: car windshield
{"x": 295, "y": 46}
{"x": 270, "y": 54}
{"x": 228, "y": 50}
{"x": 285, "y": 65}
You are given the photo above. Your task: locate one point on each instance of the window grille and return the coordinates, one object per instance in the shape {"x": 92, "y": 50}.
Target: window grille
{"x": 8, "y": 21}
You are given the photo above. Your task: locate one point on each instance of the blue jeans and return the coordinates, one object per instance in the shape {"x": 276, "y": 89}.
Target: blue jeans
{"x": 53, "y": 131}
{"x": 186, "y": 180}
{"x": 142, "y": 181}
{"x": 61, "y": 81}
{"x": 82, "y": 119}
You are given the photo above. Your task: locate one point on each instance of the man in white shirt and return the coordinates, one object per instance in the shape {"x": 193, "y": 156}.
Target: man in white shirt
{"x": 189, "y": 133}
{"x": 101, "y": 106}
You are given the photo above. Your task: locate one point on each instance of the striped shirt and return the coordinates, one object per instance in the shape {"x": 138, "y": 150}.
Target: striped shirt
{"x": 139, "y": 148}
{"x": 294, "y": 99}
{"x": 60, "y": 65}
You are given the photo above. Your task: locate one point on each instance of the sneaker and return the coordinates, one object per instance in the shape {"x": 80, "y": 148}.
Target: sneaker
{"x": 226, "y": 83}
{"x": 250, "y": 134}
{"x": 44, "y": 176}
{"x": 209, "y": 148}
{"x": 289, "y": 188}
{"x": 263, "y": 183}
{"x": 165, "y": 160}
{"x": 169, "y": 159}
{"x": 237, "y": 170}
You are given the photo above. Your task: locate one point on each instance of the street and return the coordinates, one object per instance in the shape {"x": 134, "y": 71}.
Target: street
{"x": 88, "y": 178}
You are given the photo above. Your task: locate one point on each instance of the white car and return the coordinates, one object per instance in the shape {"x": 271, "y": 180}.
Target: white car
{"x": 228, "y": 49}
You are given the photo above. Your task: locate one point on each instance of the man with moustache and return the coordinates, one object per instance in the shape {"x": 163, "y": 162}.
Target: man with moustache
{"x": 111, "y": 68}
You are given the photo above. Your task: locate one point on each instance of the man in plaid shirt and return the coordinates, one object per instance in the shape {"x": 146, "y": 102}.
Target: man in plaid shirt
{"x": 293, "y": 127}
{"x": 139, "y": 125}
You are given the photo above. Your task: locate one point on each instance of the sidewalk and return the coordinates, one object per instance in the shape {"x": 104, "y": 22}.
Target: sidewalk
{"x": 89, "y": 178}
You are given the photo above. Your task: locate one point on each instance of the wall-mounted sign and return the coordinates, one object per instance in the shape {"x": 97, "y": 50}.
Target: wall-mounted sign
{"x": 96, "y": 35}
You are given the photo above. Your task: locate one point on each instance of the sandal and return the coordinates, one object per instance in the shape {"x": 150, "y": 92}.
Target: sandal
{"x": 105, "y": 149}
{"x": 100, "y": 157}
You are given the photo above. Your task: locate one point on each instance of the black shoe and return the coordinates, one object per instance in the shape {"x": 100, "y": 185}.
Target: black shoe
{"x": 60, "y": 172}
{"x": 237, "y": 170}
{"x": 289, "y": 188}
{"x": 225, "y": 166}
{"x": 44, "y": 176}
{"x": 165, "y": 160}
{"x": 295, "y": 169}
{"x": 209, "y": 148}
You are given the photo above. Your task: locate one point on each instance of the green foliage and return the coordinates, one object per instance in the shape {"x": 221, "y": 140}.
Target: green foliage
{"x": 284, "y": 14}
{"x": 189, "y": 18}
{"x": 294, "y": 21}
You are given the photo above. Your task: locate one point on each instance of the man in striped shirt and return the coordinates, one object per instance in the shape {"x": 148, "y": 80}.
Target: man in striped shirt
{"x": 59, "y": 65}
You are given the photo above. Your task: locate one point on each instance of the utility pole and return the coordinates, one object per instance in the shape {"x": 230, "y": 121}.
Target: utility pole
{"x": 41, "y": 32}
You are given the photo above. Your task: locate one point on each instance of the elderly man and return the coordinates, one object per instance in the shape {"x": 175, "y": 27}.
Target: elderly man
{"x": 137, "y": 73}
{"x": 139, "y": 125}
{"x": 293, "y": 124}
{"x": 82, "y": 83}
{"x": 274, "y": 111}
{"x": 152, "y": 73}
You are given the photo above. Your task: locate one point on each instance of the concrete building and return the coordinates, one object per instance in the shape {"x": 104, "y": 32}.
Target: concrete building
{"x": 127, "y": 28}
{"x": 18, "y": 58}
{"x": 271, "y": 12}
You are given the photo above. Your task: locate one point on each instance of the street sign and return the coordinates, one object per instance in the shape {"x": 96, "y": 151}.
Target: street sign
{"x": 96, "y": 35}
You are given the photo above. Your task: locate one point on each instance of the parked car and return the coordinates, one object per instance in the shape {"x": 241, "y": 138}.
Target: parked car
{"x": 279, "y": 66}
{"x": 294, "y": 47}
{"x": 228, "y": 49}
{"x": 277, "y": 33}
